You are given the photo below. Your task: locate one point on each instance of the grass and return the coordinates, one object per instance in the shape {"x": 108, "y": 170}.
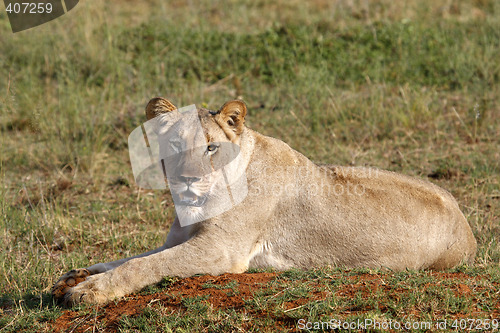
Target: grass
{"x": 291, "y": 300}
{"x": 407, "y": 87}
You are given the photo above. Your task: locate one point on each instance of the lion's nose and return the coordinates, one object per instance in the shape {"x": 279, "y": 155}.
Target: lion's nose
{"x": 189, "y": 180}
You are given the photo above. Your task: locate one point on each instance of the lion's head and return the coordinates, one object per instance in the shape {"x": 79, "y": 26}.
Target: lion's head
{"x": 199, "y": 153}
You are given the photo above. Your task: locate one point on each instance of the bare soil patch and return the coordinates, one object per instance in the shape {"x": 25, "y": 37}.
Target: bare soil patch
{"x": 233, "y": 291}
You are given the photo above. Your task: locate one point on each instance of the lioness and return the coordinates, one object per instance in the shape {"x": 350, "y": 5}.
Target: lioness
{"x": 296, "y": 214}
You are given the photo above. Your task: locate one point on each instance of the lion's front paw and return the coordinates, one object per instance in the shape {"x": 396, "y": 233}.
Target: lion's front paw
{"x": 79, "y": 286}
{"x": 94, "y": 290}
{"x": 68, "y": 281}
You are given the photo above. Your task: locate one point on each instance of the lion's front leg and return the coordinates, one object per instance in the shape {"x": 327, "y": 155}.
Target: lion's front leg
{"x": 83, "y": 283}
{"x": 210, "y": 254}
{"x": 96, "y": 289}
{"x": 68, "y": 281}
{"x": 81, "y": 286}
{"x": 95, "y": 285}
{"x": 64, "y": 287}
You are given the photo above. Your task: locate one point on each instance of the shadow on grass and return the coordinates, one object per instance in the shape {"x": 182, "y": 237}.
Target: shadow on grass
{"x": 28, "y": 301}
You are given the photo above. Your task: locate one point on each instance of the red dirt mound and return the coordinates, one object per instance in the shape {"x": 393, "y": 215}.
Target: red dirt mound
{"x": 231, "y": 291}
{"x": 217, "y": 295}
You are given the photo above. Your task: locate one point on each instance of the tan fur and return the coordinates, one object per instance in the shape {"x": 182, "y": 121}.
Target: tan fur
{"x": 296, "y": 214}
{"x": 231, "y": 119}
{"x": 158, "y": 105}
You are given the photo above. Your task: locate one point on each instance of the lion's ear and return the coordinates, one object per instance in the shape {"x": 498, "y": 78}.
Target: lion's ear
{"x": 157, "y": 106}
{"x": 232, "y": 116}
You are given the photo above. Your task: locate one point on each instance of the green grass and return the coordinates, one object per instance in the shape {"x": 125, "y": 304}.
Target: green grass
{"x": 411, "y": 88}
{"x": 316, "y": 296}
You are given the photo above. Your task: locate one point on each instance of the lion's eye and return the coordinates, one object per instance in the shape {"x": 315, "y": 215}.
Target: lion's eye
{"x": 212, "y": 148}
{"x": 176, "y": 145}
